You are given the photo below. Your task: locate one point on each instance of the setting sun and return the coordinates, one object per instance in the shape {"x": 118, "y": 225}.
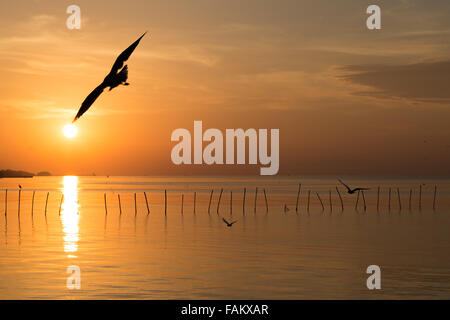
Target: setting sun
{"x": 70, "y": 131}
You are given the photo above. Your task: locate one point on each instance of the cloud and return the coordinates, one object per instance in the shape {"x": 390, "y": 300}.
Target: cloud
{"x": 427, "y": 81}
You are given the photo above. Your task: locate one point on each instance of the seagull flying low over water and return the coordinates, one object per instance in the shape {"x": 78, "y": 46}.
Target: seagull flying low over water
{"x": 117, "y": 76}
{"x": 229, "y": 224}
{"x": 351, "y": 191}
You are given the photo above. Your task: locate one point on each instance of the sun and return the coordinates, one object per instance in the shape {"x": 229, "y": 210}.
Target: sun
{"x": 70, "y": 131}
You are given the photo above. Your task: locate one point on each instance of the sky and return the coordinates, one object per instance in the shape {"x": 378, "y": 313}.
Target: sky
{"x": 347, "y": 100}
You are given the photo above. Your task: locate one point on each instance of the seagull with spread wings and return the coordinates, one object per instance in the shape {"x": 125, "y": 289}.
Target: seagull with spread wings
{"x": 117, "y": 76}
{"x": 352, "y": 191}
{"x": 229, "y": 224}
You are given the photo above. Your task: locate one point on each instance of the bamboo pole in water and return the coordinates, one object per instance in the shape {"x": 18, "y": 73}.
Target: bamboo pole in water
{"x": 331, "y": 203}
{"x": 46, "y": 203}
{"x": 389, "y": 202}
{"x": 357, "y": 201}
{"x": 434, "y": 197}
{"x": 182, "y": 203}
{"x": 309, "y": 198}
{"x": 399, "y": 200}
{"x": 165, "y": 202}
{"x": 106, "y": 203}
{"x": 135, "y": 205}
{"x": 420, "y": 197}
{"x": 62, "y": 199}
{"x": 195, "y": 200}
{"x": 340, "y": 198}
{"x": 231, "y": 202}
{"x": 146, "y": 203}
{"x": 378, "y": 198}
{"x": 210, "y": 199}
{"x": 267, "y": 203}
{"x": 298, "y": 196}
{"x": 364, "y": 200}
{"x": 243, "y": 201}
{"x": 18, "y": 207}
{"x": 256, "y": 196}
{"x": 218, "y": 202}
{"x": 32, "y": 203}
{"x": 318, "y": 196}
{"x": 120, "y": 204}
{"x": 410, "y": 199}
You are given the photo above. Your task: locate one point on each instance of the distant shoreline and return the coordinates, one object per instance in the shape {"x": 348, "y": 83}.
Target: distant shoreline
{"x": 8, "y": 173}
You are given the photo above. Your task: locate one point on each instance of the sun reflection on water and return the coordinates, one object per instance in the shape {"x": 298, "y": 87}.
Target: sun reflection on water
{"x": 70, "y": 216}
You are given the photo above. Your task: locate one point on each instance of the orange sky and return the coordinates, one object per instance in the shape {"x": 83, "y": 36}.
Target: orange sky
{"x": 346, "y": 100}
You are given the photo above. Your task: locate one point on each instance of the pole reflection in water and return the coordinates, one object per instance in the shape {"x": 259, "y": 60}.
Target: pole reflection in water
{"x": 70, "y": 216}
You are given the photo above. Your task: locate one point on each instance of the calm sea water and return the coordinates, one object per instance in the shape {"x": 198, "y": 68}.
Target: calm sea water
{"x": 282, "y": 254}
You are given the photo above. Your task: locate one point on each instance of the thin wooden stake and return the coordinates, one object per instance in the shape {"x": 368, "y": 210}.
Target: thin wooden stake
{"x": 340, "y": 197}
{"x": 146, "y": 202}
{"x": 32, "y": 203}
{"x": 195, "y": 200}
{"x": 321, "y": 203}
{"x": 218, "y": 202}
{"x": 6, "y": 202}
{"x": 389, "y": 205}
{"x": 434, "y": 197}
{"x": 243, "y": 201}
{"x": 182, "y": 203}
{"x": 420, "y": 197}
{"x": 135, "y": 205}
{"x": 106, "y": 204}
{"x": 165, "y": 202}
{"x": 256, "y": 196}
{"x": 357, "y": 200}
{"x": 378, "y": 199}
{"x": 309, "y": 198}
{"x": 267, "y": 203}
{"x": 46, "y": 202}
{"x": 364, "y": 200}
{"x": 410, "y": 199}
{"x": 62, "y": 199}
{"x": 331, "y": 203}
{"x": 18, "y": 208}
{"x": 120, "y": 204}
{"x": 298, "y": 196}
{"x": 399, "y": 200}
{"x": 210, "y": 199}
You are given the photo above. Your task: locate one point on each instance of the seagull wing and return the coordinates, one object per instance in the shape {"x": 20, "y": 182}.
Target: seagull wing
{"x": 233, "y": 222}
{"x": 124, "y": 56}
{"x": 361, "y": 189}
{"x": 225, "y": 221}
{"x": 89, "y": 101}
{"x": 348, "y": 188}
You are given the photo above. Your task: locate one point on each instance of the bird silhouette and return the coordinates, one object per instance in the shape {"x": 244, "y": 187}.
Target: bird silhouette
{"x": 117, "y": 76}
{"x": 229, "y": 224}
{"x": 351, "y": 191}
{"x": 20, "y": 187}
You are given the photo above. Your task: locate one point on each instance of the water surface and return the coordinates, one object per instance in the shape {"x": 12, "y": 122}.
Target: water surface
{"x": 315, "y": 254}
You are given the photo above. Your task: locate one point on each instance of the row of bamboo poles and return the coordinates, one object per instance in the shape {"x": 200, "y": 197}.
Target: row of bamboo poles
{"x": 360, "y": 194}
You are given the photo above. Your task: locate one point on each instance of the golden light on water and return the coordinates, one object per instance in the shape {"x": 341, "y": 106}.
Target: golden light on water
{"x": 70, "y": 131}
{"x": 69, "y": 215}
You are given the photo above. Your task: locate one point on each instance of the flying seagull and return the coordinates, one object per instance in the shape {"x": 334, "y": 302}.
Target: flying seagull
{"x": 117, "y": 76}
{"x": 351, "y": 191}
{"x": 229, "y": 224}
